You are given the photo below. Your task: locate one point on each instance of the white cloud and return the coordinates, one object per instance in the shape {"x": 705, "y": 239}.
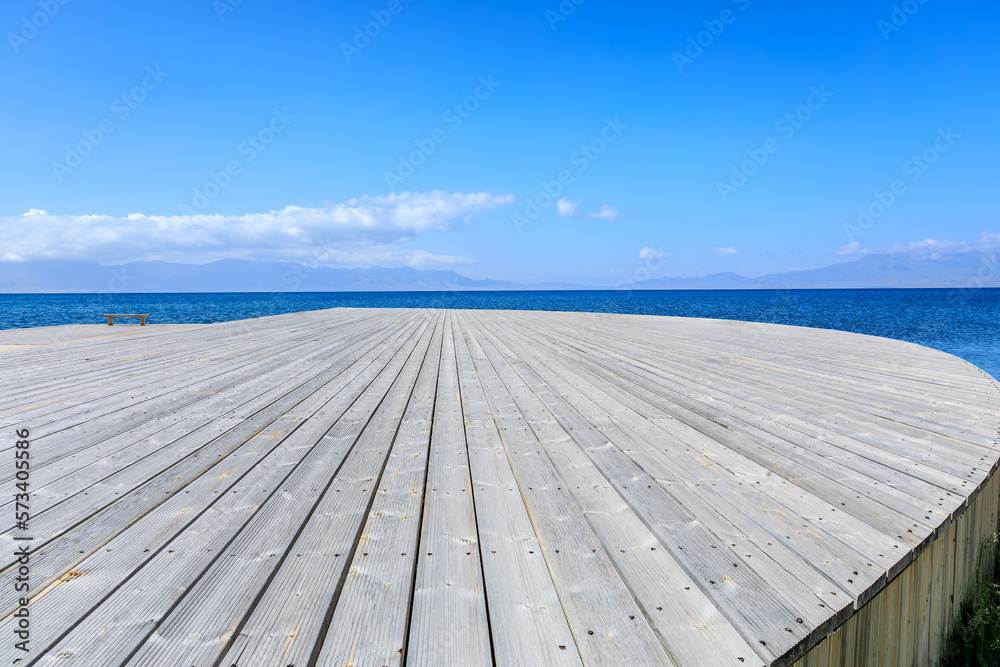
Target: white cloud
{"x": 649, "y": 253}
{"x": 726, "y": 251}
{"x": 932, "y": 248}
{"x": 387, "y": 256}
{"x": 985, "y": 242}
{"x": 852, "y": 248}
{"x": 360, "y": 227}
{"x": 929, "y": 245}
{"x": 609, "y": 213}
{"x": 566, "y": 207}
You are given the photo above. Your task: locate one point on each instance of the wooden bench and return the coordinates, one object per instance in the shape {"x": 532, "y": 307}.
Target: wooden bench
{"x": 111, "y": 319}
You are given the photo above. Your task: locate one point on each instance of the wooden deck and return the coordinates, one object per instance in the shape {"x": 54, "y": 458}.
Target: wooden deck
{"x": 433, "y": 488}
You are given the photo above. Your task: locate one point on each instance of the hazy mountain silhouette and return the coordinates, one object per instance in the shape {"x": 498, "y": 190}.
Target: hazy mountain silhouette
{"x": 966, "y": 269}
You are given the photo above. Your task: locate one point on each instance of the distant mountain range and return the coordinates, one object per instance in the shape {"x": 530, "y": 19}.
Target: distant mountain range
{"x": 233, "y": 275}
{"x": 964, "y": 269}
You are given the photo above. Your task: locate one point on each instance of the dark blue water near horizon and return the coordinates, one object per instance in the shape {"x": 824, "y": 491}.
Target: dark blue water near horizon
{"x": 963, "y": 322}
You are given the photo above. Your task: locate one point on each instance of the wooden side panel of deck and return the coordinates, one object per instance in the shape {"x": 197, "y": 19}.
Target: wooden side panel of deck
{"x": 909, "y": 620}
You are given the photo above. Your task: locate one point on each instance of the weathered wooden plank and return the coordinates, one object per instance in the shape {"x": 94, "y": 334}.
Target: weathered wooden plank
{"x": 824, "y": 392}
{"x": 369, "y": 620}
{"x": 718, "y": 399}
{"x": 938, "y": 601}
{"x": 527, "y": 622}
{"x": 269, "y": 560}
{"x": 887, "y": 626}
{"x": 826, "y": 554}
{"x": 908, "y": 615}
{"x": 45, "y": 460}
{"x": 213, "y": 357}
{"x": 849, "y": 631}
{"x": 149, "y": 409}
{"x": 871, "y": 628}
{"x": 607, "y": 623}
{"x": 811, "y": 471}
{"x": 907, "y": 364}
{"x": 862, "y": 648}
{"x": 925, "y": 582}
{"x": 740, "y": 593}
{"x": 972, "y": 544}
{"x": 449, "y": 626}
{"x": 90, "y": 461}
{"x": 113, "y": 367}
{"x": 60, "y": 554}
{"x": 172, "y": 571}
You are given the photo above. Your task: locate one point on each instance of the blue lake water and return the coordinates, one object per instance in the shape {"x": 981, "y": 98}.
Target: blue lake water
{"x": 963, "y": 322}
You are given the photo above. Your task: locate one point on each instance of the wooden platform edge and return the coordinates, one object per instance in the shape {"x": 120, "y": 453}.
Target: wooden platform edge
{"x": 944, "y": 563}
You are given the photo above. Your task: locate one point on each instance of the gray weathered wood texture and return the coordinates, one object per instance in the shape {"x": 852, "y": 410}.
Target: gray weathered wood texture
{"x": 375, "y": 487}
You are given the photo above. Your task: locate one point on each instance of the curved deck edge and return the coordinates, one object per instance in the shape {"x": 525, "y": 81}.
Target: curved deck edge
{"x": 905, "y": 618}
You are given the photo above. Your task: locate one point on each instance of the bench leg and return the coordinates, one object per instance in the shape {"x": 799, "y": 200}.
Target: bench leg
{"x": 142, "y": 321}
{"x": 111, "y": 321}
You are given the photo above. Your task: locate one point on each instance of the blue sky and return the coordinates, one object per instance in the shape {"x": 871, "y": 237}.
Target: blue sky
{"x": 193, "y": 88}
